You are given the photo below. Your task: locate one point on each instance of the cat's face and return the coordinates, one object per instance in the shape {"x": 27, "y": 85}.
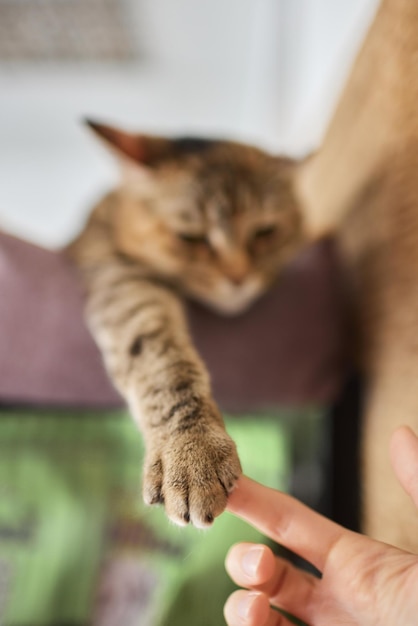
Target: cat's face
{"x": 215, "y": 217}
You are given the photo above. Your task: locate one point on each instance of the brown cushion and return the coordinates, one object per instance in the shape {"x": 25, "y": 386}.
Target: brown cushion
{"x": 287, "y": 350}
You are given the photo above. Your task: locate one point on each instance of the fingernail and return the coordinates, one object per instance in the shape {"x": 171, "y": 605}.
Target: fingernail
{"x": 245, "y": 604}
{"x": 251, "y": 561}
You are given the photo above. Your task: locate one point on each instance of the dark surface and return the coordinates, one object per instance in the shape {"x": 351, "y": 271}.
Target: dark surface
{"x": 344, "y": 482}
{"x": 288, "y": 350}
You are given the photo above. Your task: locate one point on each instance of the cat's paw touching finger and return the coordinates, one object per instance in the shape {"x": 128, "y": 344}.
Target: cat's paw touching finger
{"x": 192, "y": 475}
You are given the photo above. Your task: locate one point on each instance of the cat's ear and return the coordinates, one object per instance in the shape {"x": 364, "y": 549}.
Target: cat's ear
{"x": 133, "y": 151}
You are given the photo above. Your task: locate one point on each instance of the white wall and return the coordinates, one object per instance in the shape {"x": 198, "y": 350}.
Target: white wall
{"x": 320, "y": 39}
{"x": 254, "y": 69}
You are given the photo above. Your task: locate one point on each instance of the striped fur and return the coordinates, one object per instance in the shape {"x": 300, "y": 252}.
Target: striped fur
{"x": 208, "y": 219}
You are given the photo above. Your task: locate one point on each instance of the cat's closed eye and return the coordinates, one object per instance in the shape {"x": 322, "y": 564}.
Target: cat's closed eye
{"x": 263, "y": 237}
{"x": 265, "y": 232}
{"x": 193, "y": 239}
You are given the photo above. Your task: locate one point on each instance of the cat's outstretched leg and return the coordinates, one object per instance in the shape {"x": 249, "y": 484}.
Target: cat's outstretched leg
{"x": 191, "y": 463}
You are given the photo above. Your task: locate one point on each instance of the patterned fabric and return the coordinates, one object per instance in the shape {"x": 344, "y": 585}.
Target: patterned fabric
{"x": 287, "y": 350}
{"x": 78, "y": 547}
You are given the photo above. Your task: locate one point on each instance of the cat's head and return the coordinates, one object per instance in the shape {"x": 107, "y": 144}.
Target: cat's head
{"x": 217, "y": 218}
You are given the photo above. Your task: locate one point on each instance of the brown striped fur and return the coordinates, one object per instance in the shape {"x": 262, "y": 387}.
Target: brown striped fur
{"x": 363, "y": 185}
{"x": 211, "y": 220}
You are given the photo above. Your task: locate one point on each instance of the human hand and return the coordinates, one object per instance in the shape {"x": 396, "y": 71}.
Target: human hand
{"x": 364, "y": 582}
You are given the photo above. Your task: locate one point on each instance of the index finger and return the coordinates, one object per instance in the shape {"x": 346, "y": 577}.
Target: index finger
{"x": 285, "y": 520}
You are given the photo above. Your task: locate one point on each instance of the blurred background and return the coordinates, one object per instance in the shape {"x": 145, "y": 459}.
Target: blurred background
{"x": 267, "y": 71}
{"x": 76, "y": 547}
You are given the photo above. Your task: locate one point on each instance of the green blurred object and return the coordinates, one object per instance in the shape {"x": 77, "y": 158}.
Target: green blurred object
{"x": 77, "y": 546}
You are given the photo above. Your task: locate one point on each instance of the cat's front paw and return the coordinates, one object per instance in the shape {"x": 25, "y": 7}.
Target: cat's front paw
{"x": 192, "y": 474}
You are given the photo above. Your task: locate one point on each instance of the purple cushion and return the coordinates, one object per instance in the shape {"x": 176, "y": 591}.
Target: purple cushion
{"x": 287, "y": 350}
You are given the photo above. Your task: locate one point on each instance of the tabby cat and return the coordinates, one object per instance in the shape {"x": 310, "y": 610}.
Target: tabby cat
{"x": 216, "y": 221}
{"x": 206, "y": 219}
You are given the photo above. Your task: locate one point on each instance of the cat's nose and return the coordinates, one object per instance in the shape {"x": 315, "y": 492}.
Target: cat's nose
{"x": 236, "y": 267}
{"x": 238, "y": 280}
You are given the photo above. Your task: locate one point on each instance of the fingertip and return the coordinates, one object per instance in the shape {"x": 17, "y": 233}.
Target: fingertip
{"x": 233, "y": 560}
{"x": 400, "y": 435}
{"x": 250, "y": 564}
{"x": 258, "y": 564}
{"x": 247, "y": 608}
{"x": 403, "y": 439}
{"x": 404, "y": 459}
{"x": 238, "y": 493}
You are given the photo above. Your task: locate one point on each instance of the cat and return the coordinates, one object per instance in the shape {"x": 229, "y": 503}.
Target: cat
{"x": 362, "y": 186}
{"x": 213, "y": 220}
{"x": 216, "y": 221}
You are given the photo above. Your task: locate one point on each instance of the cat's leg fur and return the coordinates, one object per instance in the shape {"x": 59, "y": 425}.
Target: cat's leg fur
{"x": 191, "y": 463}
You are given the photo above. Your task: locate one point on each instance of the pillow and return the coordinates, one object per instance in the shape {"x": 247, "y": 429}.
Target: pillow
{"x": 288, "y": 349}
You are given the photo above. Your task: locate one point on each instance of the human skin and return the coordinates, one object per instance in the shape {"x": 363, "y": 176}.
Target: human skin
{"x": 364, "y": 582}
